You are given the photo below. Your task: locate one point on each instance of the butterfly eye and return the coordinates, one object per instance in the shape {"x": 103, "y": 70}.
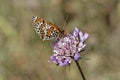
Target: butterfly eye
{"x": 62, "y": 31}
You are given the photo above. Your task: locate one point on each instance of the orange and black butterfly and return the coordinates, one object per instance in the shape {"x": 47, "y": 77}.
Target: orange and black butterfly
{"x": 46, "y": 30}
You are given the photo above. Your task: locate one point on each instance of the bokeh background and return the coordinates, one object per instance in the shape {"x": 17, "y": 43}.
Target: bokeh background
{"x": 23, "y": 55}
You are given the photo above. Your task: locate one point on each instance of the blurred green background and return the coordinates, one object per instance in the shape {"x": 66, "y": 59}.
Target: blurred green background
{"x": 23, "y": 55}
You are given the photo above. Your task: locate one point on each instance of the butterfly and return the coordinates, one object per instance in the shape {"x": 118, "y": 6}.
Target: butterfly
{"x": 46, "y": 30}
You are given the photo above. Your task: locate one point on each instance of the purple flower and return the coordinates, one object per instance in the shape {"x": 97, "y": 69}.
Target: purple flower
{"x": 68, "y": 48}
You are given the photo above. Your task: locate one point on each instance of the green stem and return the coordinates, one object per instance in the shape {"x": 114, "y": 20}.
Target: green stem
{"x": 80, "y": 70}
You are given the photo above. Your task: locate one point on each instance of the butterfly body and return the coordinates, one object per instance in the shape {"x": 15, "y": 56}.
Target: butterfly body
{"x": 45, "y": 29}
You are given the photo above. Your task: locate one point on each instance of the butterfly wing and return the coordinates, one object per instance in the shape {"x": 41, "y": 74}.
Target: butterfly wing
{"x": 45, "y": 29}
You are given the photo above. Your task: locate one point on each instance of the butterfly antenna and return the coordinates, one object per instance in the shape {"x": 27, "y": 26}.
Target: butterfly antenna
{"x": 65, "y": 21}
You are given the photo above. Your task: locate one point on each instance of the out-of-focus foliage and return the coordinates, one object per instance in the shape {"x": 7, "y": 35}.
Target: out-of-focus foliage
{"x": 23, "y": 56}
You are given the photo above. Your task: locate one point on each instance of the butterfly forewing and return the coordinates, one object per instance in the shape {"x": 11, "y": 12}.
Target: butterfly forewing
{"x": 45, "y": 29}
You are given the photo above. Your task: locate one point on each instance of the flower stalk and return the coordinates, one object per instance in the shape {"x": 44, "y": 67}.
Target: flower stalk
{"x": 80, "y": 70}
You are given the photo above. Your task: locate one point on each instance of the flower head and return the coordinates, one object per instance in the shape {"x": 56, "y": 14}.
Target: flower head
{"x": 68, "y": 48}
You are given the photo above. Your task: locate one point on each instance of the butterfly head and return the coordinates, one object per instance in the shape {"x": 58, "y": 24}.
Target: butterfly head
{"x": 63, "y": 33}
